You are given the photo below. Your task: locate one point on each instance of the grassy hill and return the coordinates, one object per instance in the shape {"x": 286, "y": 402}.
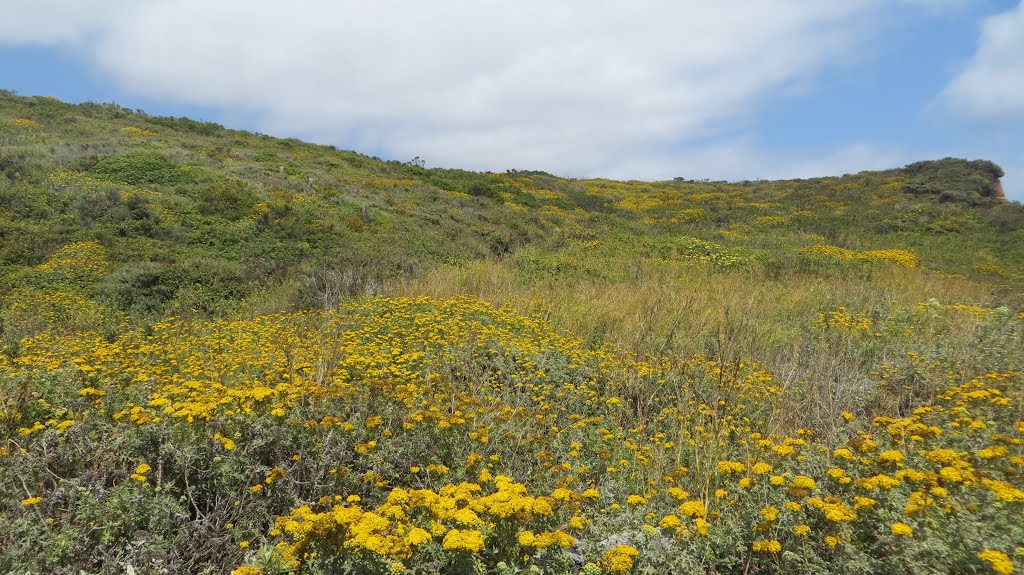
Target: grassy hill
{"x": 229, "y": 352}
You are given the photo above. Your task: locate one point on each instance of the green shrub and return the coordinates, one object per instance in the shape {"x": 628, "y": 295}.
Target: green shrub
{"x": 953, "y": 180}
{"x": 186, "y": 125}
{"x": 231, "y": 200}
{"x": 483, "y": 190}
{"x": 201, "y": 284}
{"x": 139, "y": 169}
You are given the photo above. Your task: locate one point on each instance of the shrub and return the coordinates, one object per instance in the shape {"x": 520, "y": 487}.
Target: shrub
{"x": 954, "y": 180}
{"x": 146, "y": 288}
{"x": 231, "y": 200}
{"x": 483, "y": 190}
{"x": 139, "y": 169}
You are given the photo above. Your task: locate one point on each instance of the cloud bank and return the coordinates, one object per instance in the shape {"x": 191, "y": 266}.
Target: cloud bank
{"x": 579, "y": 86}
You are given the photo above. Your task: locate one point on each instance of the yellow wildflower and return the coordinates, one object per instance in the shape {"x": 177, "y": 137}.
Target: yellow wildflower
{"x": 463, "y": 540}
{"x": 669, "y": 522}
{"x": 999, "y": 561}
{"x": 772, "y": 546}
{"x": 902, "y": 530}
{"x": 803, "y": 482}
{"x": 620, "y": 559}
{"x": 636, "y": 500}
{"x": 729, "y": 467}
{"x": 693, "y": 509}
{"x": 418, "y": 536}
{"x": 702, "y": 526}
{"x": 677, "y": 493}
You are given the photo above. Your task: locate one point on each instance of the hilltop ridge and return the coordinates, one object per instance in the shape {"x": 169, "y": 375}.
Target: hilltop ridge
{"x": 191, "y": 206}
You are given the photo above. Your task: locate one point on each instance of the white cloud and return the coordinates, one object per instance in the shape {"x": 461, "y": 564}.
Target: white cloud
{"x": 577, "y": 86}
{"x": 55, "y": 21}
{"x": 992, "y": 84}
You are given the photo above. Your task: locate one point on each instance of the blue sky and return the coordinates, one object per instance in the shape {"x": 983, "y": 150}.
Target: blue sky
{"x": 737, "y": 89}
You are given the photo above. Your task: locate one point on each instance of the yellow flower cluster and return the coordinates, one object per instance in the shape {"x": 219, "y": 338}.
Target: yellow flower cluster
{"x": 56, "y": 310}
{"x": 841, "y": 318}
{"x": 463, "y": 540}
{"x": 81, "y": 258}
{"x": 696, "y": 251}
{"x": 771, "y": 546}
{"x": 390, "y": 346}
{"x": 902, "y": 529}
{"x": 992, "y": 269}
{"x": 140, "y": 472}
{"x": 138, "y": 132}
{"x": 690, "y": 215}
{"x": 23, "y": 123}
{"x": 904, "y": 258}
{"x": 1000, "y": 562}
{"x": 620, "y": 559}
{"x": 769, "y": 221}
{"x": 464, "y": 516}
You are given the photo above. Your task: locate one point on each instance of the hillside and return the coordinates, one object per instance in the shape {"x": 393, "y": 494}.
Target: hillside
{"x": 225, "y": 351}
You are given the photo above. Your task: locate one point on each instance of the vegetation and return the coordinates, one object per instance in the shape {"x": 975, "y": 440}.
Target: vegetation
{"x": 229, "y": 353}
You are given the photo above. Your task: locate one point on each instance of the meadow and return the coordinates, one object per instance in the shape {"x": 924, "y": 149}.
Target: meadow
{"x": 229, "y": 353}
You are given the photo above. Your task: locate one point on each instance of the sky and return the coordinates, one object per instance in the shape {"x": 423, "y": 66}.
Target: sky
{"x": 646, "y": 89}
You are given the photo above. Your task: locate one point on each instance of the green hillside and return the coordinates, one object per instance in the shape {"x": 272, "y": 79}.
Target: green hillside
{"x": 225, "y": 351}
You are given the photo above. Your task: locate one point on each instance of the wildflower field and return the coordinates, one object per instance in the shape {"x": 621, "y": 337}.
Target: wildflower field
{"x": 225, "y": 353}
